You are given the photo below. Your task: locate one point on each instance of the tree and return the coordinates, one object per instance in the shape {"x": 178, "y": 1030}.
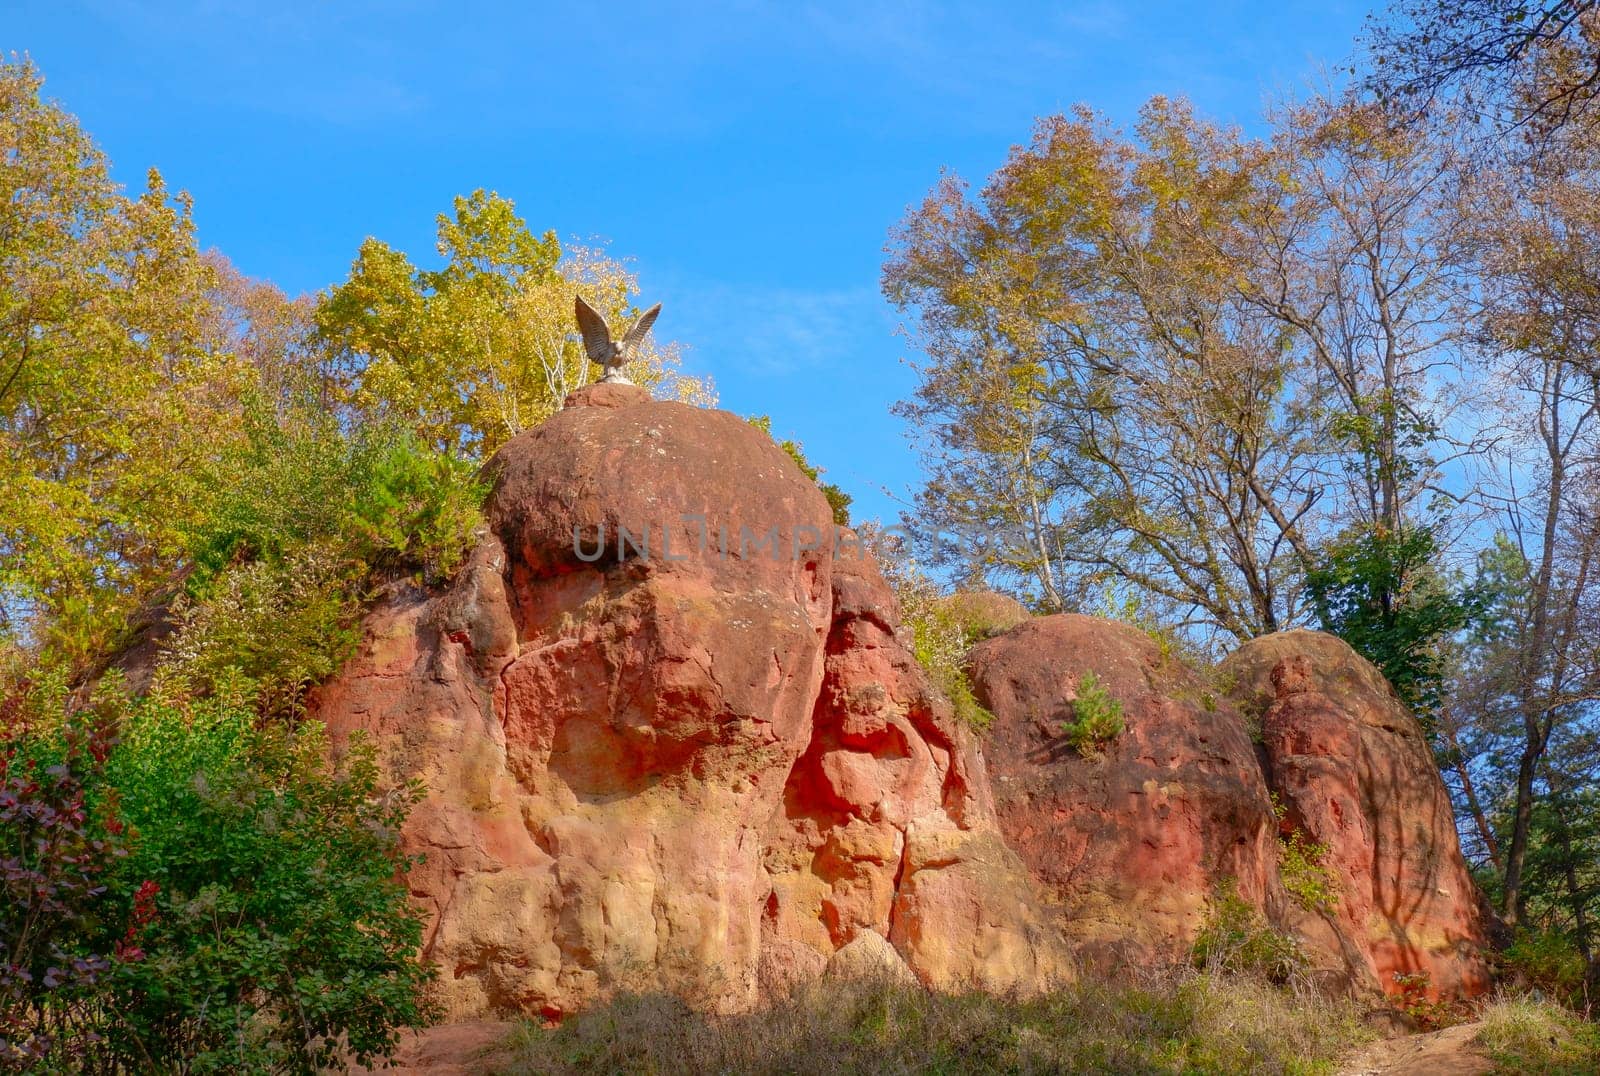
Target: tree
{"x": 1537, "y": 251}
{"x": 108, "y": 394}
{"x": 1175, "y": 367}
{"x": 475, "y": 352}
{"x": 1485, "y": 49}
{"x": 1104, "y": 408}
{"x": 1383, "y": 594}
{"x": 275, "y": 337}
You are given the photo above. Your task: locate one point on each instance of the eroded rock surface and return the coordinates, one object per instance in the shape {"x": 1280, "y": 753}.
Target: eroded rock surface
{"x": 1352, "y": 768}
{"x": 670, "y": 737}
{"x": 1133, "y": 841}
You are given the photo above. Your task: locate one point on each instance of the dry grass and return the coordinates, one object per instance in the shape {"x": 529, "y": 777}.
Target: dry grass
{"x": 1522, "y": 1035}
{"x": 1184, "y": 1023}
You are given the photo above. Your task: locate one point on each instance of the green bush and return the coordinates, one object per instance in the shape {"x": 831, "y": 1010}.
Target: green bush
{"x": 266, "y": 632}
{"x": 1546, "y": 960}
{"x": 279, "y": 936}
{"x": 1300, "y": 864}
{"x": 1306, "y": 877}
{"x": 377, "y": 496}
{"x": 1096, "y": 717}
{"x": 1237, "y": 939}
{"x": 300, "y": 529}
{"x": 237, "y": 908}
{"x": 940, "y": 643}
{"x": 941, "y": 634}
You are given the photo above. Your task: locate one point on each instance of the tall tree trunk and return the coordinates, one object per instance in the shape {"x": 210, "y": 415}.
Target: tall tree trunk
{"x": 1521, "y": 825}
{"x": 1459, "y": 763}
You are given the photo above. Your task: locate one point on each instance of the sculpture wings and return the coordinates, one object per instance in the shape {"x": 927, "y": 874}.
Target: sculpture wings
{"x": 612, "y": 355}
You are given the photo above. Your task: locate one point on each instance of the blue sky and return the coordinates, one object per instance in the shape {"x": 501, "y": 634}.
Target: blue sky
{"x": 749, "y": 158}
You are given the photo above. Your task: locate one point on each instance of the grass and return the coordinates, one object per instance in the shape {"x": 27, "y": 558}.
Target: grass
{"x": 1180, "y": 1022}
{"x": 1523, "y": 1035}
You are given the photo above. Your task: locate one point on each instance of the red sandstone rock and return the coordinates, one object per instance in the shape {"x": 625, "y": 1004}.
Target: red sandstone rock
{"x": 669, "y": 739}
{"x": 1352, "y": 768}
{"x": 672, "y": 738}
{"x": 1132, "y": 842}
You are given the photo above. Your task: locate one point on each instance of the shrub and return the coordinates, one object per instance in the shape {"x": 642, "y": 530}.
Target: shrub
{"x": 1300, "y": 864}
{"x": 56, "y": 856}
{"x": 1522, "y": 1035}
{"x": 201, "y": 894}
{"x": 1545, "y": 960}
{"x": 277, "y": 936}
{"x": 1430, "y": 1014}
{"x": 1237, "y": 939}
{"x": 940, "y": 637}
{"x": 286, "y": 554}
{"x": 266, "y": 632}
{"x": 1306, "y": 877}
{"x": 1097, "y": 717}
{"x": 377, "y": 496}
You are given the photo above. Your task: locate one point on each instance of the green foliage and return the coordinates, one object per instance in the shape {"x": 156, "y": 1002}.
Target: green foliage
{"x": 1525, "y": 1036}
{"x": 1236, "y": 938}
{"x": 221, "y": 897}
{"x": 266, "y": 632}
{"x": 377, "y": 495}
{"x": 468, "y": 355}
{"x": 285, "y": 552}
{"x": 1429, "y": 1014}
{"x": 1384, "y": 594}
{"x": 941, "y": 635}
{"x": 280, "y": 935}
{"x": 1311, "y": 883}
{"x": 1190, "y": 1023}
{"x": 108, "y": 394}
{"x": 838, "y": 499}
{"x": 1546, "y": 960}
{"x": 1301, "y": 866}
{"x": 1096, "y": 717}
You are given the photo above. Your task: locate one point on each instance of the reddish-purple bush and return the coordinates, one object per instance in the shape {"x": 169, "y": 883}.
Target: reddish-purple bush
{"x": 55, "y": 861}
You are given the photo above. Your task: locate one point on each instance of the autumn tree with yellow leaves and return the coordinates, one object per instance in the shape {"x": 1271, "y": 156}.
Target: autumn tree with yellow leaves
{"x": 486, "y": 346}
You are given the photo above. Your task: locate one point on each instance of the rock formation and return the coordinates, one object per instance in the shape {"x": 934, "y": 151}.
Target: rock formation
{"x": 671, "y": 737}
{"x": 1131, "y": 843}
{"x": 1134, "y": 842}
{"x": 1352, "y": 768}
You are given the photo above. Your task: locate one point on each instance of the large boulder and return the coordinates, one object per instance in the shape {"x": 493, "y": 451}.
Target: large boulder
{"x": 1134, "y": 840}
{"x": 671, "y": 736}
{"x": 1353, "y": 771}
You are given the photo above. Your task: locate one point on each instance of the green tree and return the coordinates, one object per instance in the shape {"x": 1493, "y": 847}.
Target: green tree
{"x": 1173, "y": 365}
{"x": 1383, "y": 593}
{"x": 473, "y": 353}
{"x": 108, "y": 395}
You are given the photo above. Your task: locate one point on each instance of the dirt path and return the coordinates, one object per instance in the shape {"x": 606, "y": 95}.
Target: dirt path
{"x": 464, "y": 1049}
{"x": 1438, "y": 1053}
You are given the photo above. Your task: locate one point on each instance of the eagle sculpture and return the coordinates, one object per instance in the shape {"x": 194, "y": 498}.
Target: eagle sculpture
{"x": 612, "y": 355}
